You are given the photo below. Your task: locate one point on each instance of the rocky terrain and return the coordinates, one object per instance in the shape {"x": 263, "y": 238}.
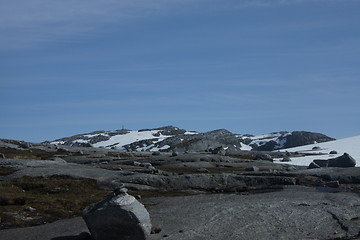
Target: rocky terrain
{"x": 171, "y": 138}
{"x": 215, "y": 193}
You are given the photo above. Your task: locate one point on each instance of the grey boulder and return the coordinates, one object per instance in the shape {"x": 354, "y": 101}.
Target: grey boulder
{"x": 120, "y": 217}
{"x": 343, "y": 161}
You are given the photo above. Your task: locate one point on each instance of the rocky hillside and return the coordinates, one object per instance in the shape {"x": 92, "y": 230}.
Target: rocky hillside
{"x": 281, "y": 140}
{"x": 171, "y": 138}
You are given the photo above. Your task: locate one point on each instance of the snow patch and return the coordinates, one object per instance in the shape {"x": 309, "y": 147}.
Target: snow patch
{"x": 341, "y": 146}
{"x": 131, "y": 137}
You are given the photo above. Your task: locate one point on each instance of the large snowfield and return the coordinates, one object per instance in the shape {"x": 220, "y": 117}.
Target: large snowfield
{"x": 347, "y": 145}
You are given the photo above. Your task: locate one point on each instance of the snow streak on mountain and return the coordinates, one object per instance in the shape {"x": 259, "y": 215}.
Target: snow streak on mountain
{"x": 171, "y": 138}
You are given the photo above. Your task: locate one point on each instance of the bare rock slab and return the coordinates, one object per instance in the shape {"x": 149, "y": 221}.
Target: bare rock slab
{"x": 118, "y": 217}
{"x": 292, "y": 214}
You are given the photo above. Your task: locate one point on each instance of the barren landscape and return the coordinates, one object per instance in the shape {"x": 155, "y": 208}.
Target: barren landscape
{"x": 203, "y": 194}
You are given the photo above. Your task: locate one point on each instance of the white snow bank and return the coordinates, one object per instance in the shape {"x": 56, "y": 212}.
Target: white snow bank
{"x": 130, "y": 137}
{"x": 347, "y": 145}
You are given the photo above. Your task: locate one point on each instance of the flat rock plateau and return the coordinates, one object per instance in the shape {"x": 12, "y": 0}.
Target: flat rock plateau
{"x": 189, "y": 195}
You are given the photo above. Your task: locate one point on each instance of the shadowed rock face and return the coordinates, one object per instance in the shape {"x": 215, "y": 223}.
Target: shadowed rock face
{"x": 119, "y": 217}
{"x": 295, "y": 139}
{"x": 300, "y": 138}
{"x": 343, "y": 161}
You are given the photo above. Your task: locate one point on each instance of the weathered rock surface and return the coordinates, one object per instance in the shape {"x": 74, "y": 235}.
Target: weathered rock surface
{"x": 119, "y": 217}
{"x": 294, "y": 213}
{"x": 297, "y": 213}
{"x": 343, "y": 175}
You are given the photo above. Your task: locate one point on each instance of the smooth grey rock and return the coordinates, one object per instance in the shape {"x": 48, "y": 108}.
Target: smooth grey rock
{"x": 119, "y": 217}
{"x": 343, "y": 161}
{"x": 300, "y": 213}
{"x": 2, "y": 156}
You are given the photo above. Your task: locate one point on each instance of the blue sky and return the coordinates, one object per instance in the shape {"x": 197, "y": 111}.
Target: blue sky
{"x": 75, "y": 66}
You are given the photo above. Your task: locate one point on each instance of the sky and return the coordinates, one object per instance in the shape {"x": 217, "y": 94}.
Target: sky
{"x": 249, "y": 66}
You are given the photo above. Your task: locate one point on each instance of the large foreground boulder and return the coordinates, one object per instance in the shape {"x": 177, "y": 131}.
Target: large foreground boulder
{"x": 118, "y": 217}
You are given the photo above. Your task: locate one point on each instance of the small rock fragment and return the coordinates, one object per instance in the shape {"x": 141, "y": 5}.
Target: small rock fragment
{"x": 252, "y": 169}
{"x": 156, "y": 229}
{"x": 202, "y": 170}
{"x": 333, "y": 184}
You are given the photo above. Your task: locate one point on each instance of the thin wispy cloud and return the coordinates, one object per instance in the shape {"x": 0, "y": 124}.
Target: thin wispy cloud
{"x": 24, "y": 23}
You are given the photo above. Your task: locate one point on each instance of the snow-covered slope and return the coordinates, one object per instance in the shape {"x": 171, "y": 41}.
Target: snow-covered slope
{"x": 347, "y": 145}
{"x": 280, "y": 140}
{"x": 176, "y": 139}
{"x": 141, "y": 140}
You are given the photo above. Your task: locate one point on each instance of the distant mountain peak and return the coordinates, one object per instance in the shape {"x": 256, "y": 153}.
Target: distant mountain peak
{"x": 171, "y": 138}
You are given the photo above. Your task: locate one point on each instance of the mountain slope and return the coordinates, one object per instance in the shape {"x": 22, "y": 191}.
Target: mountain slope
{"x": 347, "y": 145}
{"x": 280, "y": 140}
{"x": 171, "y": 138}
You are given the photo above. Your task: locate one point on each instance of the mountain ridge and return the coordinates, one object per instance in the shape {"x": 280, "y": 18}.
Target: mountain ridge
{"x": 170, "y": 138}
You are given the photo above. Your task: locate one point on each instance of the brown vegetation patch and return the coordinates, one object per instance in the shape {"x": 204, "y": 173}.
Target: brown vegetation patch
{"x": 194, "y": 170}
{"x": 4, "y": 171}
{"x": 27, "y": 153}
{"x": 29, "y": 201}
{"x": 311, "y": 181}
{"x": 243, "y": 156}
{"x": 34, "y": 153}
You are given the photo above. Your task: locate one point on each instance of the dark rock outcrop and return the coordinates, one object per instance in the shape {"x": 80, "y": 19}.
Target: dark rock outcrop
{"x": 300, "y": 138}
{"x": 343, "y": 161}
{"x": 203, "y": 142}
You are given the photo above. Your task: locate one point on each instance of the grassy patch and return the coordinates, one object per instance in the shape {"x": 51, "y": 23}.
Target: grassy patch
{"x": 4, "y": 171}
{"x": 34, "y": 153}
{"x": 29, "y": 201}
{"x": 27, "y": 154}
